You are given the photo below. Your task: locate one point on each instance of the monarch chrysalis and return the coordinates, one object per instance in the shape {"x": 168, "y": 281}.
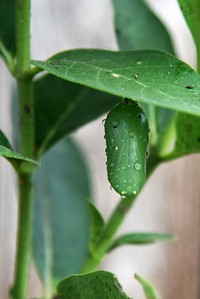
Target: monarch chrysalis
{"x": 126, "y": 134}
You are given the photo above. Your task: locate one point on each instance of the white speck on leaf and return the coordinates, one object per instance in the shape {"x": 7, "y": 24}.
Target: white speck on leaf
{"x": 116, "y": 75}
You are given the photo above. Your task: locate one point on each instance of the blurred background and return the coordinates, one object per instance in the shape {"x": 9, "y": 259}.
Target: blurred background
{"x": 170, "y": 202}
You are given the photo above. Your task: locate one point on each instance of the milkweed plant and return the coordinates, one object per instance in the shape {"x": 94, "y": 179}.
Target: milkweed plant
{"x": 151, "y": 99}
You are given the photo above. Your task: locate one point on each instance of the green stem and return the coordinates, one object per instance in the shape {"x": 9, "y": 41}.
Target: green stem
{"x": 26, "y": 111}
{"x": 153, "y": 161}
{"x": 23, "y": 11}
{"x": 25, "y": 173}
{"x": 105, "y": 239}
{"x": 23, "y": 255}
{"x": 153, "y": 125}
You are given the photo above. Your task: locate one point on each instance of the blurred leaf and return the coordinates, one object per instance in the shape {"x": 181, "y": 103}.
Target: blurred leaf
{"x": 96, "y": 227}
{"x": 7, "y": 27}
{"x": 151, "y": 77}
{"x": 141, "y": 239}
{"x": 149, "y": 289}
{"x": 4, "y": 140}
{"x": 95, "y": 285}
{"x": 182, "y": 138}
{"x": 61, "y": 215}
{"x": 163, "y": 118}
{"x": 61, "y": 107}
{"x": 138, "y": 28}
{"x": 159, "y": 121}
{"x": 191, "y": 12}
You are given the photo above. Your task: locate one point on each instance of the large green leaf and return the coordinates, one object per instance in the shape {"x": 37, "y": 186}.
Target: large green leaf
{"x": 96, "y": 285}
{"x": 61, "y": 214}
{"x": 152, "y": 77}
{"x": 7, "y": 26}
{"x": 191, "y": 12}
{"x": 141, "y": 239}
{"x": 61, "y": 107}
{"x": 138, "y": 28}
{"x": 149, "y": 289}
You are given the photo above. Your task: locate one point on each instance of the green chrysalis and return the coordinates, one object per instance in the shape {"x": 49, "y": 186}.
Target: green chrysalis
{"x": 126, "y": 134}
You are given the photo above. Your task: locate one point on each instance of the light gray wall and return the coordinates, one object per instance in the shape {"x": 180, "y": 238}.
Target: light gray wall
{"x": 170, "y": 200}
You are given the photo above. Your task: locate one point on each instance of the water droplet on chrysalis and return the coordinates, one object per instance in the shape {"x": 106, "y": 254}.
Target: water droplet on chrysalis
{"x": 137, "y": 166}
{"x": 131, "y": 134}
{"x": 115, "y": 123}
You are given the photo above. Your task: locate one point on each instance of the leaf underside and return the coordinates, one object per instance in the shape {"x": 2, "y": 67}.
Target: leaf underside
{"x": 151, "y": 77}
{"x": 62, "y": 107}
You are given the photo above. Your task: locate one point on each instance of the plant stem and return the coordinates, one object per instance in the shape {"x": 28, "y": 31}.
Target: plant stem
{"x": 23, "y": 12}
{"x": 23, "y": 255}
{"x": 25, "y": 173}
{"x": 105, "y": 239}
{"x": 153, "y": 125}
{"x": 113, "y": 224}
